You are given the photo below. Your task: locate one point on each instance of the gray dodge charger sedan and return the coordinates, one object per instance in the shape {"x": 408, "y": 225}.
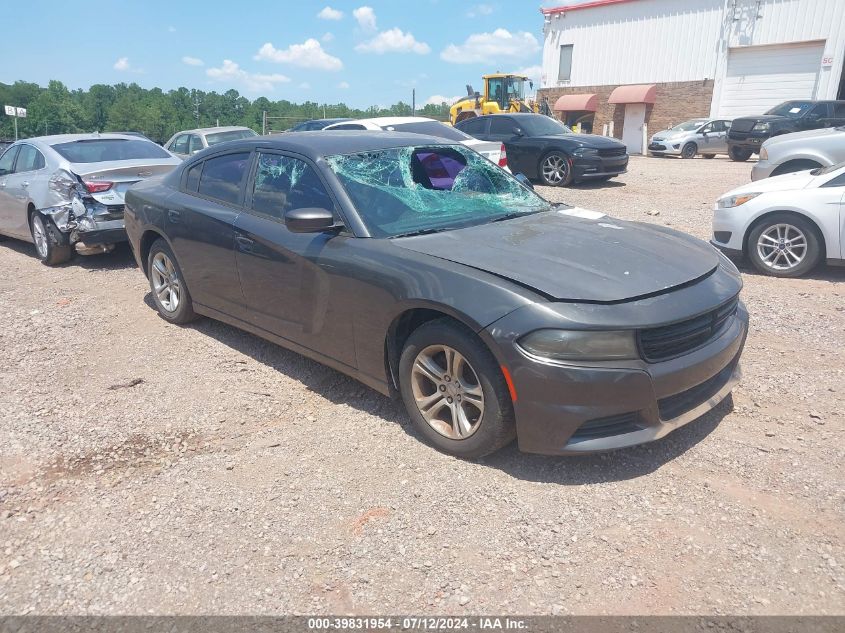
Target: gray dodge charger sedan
{"x": 423, "y": 270}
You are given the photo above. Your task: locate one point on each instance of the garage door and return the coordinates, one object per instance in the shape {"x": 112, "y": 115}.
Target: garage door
{"x": 760, "y": 77}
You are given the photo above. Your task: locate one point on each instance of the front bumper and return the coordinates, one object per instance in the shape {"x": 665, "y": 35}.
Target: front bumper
{"x": 750, "y": 141}
{"x": 601, "y": 167}
{"x": 567, "y": 409}
{"x": 664, "y": 147}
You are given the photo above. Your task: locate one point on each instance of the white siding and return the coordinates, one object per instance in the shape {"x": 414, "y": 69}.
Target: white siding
{"x": 760, "y": 77}
{"x": 659, "y": 41}
{"x": 647, "y": 41}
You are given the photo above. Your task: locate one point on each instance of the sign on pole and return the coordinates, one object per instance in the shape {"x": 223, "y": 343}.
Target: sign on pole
{"x": 10, "y": 110}
{"x": 21, "y": 112}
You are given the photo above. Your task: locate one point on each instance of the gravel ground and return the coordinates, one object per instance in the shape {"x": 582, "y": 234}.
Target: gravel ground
{"x": 150, "y": 468}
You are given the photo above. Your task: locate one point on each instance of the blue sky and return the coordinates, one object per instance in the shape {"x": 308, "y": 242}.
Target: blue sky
{"x": 370, "y": 52}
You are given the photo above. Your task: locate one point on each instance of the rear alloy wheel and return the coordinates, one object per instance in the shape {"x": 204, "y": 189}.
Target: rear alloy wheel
{"x": 784, "y": 245}
{"x": 556, "y": 170}
{"x": 47, "y": 250}
{"x": 738, "y": 154}
{"x": 170, "y": 294}
{"x": 454, "y": 390}
{"x": 689, "y": 150}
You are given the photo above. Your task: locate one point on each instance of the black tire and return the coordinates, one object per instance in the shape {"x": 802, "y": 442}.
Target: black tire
{"x": 495, "y": 427}
{"x": 793, "y": 166}
{"x": 689, "y": 150}
{"x": 46, "y": 248}
{"x": 563, "y": 169}
{"x": 739, "y": 155}
{"x": 166, "y": 281}
{"x": 708, "y": 156}
{"x": 811, "y": 256}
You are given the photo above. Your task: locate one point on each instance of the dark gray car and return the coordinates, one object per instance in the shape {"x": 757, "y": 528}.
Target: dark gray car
{"x": 423, "y": 270}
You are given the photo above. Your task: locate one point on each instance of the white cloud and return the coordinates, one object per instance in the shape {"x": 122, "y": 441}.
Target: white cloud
{"x": 393, "y": 41}
{"x": 305, "y": 85}
{"x": 122, "y": 64}
{"x": 327, "y": 37}
{"x": 485, "y": 47}
{"x": 480, "y": 9}
{"x": 366, "y": 18}
{"x": 329, "y": 13}
{"x": 231, "y": 73}
{"x": 171, "y": 29}
{"x": 534, "y": 73}
{"x": 438, "y": 99}
{"x": 192, "y": 61}
{"x": 343, "y": 85}
{"x": 309, "y": 54}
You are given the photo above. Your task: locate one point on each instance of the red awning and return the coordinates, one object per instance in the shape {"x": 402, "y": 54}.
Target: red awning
{"x": 644, "y": 93}
{"x": 574, "y": 103}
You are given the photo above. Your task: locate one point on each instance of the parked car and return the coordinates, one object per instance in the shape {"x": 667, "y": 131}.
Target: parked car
{"x": 800, "y": 151}
{"x": 419, "y": 268}
{"x": 747, "y": 134}
{"x": 188, "y": 142}
{"x": 315, "y": 124}
{"x": 4, "y": 143}
{"x": 785, "y": 224}
{"x": 494, "y": 151}
{"x": 707, "y": 137}
{"x": 66, "y": 192}
{"x": 543, "y": 148}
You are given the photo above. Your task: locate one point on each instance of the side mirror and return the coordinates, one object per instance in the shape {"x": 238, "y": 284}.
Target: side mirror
{"x": 523, "y": 180}
{"x": 196, "y": 151}
{"x": 518, "y": 131}
{"x": 309, "y": 220}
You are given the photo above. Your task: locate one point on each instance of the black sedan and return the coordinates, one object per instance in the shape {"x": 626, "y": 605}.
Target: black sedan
{"x": 424, "y": 270}
{"x": 545, "y": 149}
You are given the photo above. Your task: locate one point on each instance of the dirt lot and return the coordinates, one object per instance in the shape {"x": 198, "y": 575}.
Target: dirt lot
{"x": 149, "y": 468}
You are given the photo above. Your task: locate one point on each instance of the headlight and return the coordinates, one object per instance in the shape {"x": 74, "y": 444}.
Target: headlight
{"x": 734, "y": 201}
{"x": 580, "y": 345}
{"x": 764, "y": 154}
{"x": 586, "y": 152}
{"x": 761, "y": 127}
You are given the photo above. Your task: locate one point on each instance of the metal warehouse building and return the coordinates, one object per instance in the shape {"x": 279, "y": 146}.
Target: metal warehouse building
{"x": 623, "y": 63}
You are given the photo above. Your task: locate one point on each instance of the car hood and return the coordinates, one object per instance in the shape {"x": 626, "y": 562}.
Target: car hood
{"x": 585, "y": 257}
{"x": 784, "y": 182}
{"x": 583, "y": 140}
{"x": 798, "y": 136}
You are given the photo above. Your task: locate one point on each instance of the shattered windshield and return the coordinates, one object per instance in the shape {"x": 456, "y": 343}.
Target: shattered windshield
{"x": 412, "y": 190}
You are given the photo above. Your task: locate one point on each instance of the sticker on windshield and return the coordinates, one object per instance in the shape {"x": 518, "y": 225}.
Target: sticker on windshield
{"x": 578, "y": 212}
{"x": 795, "y": 110}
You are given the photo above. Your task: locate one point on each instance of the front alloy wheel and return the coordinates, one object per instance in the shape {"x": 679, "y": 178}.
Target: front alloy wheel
{"x": 455, "y": 391}
{"x": 784, "y": 246}
{"x": 447, "y": 391}
{"x": 556, "y": 170}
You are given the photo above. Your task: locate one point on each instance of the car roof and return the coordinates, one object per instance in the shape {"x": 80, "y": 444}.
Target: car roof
{"x": 396, "y": 120}
{"x": 212, "y": 130}
{"x": 317, "y": 144}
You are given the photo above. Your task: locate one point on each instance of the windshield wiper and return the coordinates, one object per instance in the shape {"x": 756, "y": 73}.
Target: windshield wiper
{"x": 421, "y": 232}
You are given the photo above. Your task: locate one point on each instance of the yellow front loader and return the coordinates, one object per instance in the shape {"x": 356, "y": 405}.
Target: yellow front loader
{"x": 503, "y": 92}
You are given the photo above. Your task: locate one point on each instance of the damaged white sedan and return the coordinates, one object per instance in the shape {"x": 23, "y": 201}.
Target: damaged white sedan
{"x": 65, "y": 193}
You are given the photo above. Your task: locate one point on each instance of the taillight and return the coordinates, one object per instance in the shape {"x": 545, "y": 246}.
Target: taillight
{"x": 96, "y": 186}
{"x": 503, "y": 157}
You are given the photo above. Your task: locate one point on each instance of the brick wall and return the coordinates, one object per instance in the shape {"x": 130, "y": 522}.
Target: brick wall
{"x": 674, "y": 103}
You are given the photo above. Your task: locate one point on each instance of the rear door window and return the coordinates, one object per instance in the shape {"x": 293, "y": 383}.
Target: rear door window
{"x": 192, "y": 180}
{"x": 474, "y": 127}
{"x": 7, "y": 160}
{"x": 194, "y": 144}
{"x": 502, "y": 126}
{"x": 223, "y": 176}
{"x": 180, "y": 145}
{"x": 29, "y": 159}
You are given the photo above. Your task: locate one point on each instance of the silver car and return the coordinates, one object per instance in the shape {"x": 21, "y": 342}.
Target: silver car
{"x": 707, "y": 137}
{"x": 65, "y": 193}
{"x": 799, "y": 151}
{"x": 188, "y": 142}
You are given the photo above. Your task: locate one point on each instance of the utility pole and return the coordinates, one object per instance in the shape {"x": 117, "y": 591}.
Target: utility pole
{"x": 263, "y": 122}
{"x": 413, "y": 102}
{"x": 197, "y": 110}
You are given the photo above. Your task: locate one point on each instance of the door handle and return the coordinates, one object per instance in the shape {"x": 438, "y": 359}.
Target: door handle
{"x": 244, "y": 243}
{"x": 174, "y": 216}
